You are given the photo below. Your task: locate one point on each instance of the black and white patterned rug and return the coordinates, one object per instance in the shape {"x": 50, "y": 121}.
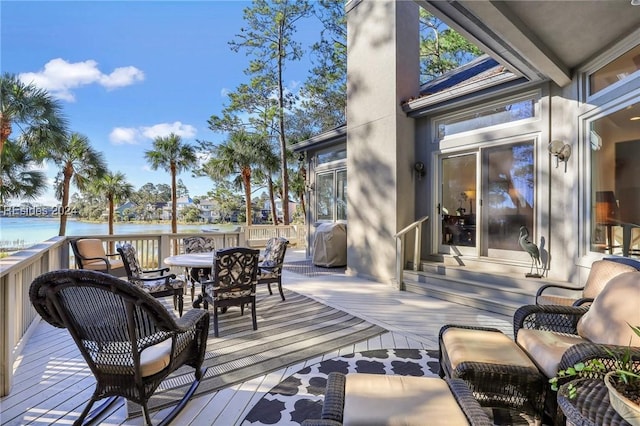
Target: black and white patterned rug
{"x": 299, "y": 396}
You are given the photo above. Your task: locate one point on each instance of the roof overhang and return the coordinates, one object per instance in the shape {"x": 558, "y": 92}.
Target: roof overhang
{"x": 543, "y": 39}
{"x": 323, "y": 140}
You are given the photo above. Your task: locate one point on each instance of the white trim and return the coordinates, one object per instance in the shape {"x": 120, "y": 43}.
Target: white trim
{"x": 609, "y": 56}
{"x": 585, "y": 172}
{"x": 534, "y": 95}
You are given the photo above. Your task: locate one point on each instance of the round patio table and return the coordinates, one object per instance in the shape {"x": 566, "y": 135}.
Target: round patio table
{"x": 591, "y": 405}
{"x": 191, "y": 260}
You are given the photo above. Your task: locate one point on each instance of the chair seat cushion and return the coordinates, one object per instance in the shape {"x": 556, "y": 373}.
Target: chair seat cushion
{"x": 549, "y": 299}
{"x": 155, "y": 358}
{"x": 379, "y": 399}
{"x": 489, "y": 347}
{"x": 267, "y": 274}
{"x": 152, "y": 359}
{"x": 209, "y": 289}
{"x": 98, "y": 264}
{"x": 546, "y": 347}
{"x": 161, "y": 284}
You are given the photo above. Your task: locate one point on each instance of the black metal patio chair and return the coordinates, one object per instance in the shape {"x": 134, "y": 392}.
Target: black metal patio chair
{"x": 234, "y": 283}
{"x": 270, "y": 267}
{"x": 153, "y": 281}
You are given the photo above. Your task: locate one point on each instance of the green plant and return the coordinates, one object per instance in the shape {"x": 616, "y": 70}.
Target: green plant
{"x": 623, "y": 365}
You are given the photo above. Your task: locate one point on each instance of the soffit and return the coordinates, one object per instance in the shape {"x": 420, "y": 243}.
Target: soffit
{"x": 541, "y": 39}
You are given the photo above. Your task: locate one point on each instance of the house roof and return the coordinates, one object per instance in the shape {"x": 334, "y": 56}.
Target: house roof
{"x": 331, "y": 137}
{"x": 479, "y": 74}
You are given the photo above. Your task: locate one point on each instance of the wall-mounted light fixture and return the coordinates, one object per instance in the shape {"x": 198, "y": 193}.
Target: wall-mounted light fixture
{"x": 562, "y": 152}
{"x": 310, "y": 187}
{"x": 419, "y": 169}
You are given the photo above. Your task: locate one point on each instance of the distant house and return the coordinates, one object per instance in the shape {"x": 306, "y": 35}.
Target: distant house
{"x": 181, "y": 203}
{"x": 208, "y": 210}
{"x": 126, "y": 211}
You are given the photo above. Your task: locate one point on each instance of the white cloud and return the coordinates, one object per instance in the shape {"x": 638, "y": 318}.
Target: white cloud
{"x": 60, "y": 77}
{"x": 124, "y": 135}
{"x": 164, "y": 129}
{"x": 135, "y": 135}
{"x": 121, "y": 77}
{"x": 224, "y": 92}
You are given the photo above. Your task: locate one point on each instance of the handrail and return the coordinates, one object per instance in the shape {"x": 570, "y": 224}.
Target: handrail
{"x": 400, "y": 249}
{"x": 411, "y": 226}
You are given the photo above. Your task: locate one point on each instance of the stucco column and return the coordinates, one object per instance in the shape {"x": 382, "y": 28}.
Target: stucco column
{"x": 382, "y": 71}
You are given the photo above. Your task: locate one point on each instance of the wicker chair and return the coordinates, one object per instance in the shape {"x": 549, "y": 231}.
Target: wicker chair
{"x": 153, "y": 281}
{"x": 234, "y": 283}
{"x": 558, "y": 337}
{"x": 129, "y": 340}
{"x": 89, "y": 253}
{"x": 198, "y": 245}
{"x": 387, "y": 399}
{"x": 270, "y": 268}
{"x": 601, "y": 272}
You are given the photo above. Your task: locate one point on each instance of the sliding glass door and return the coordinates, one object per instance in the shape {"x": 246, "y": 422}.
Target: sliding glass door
{"x": 483, "y": 204}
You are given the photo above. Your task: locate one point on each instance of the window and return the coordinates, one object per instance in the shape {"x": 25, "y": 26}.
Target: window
{"x": 331, "y": 195}
{"x": 614, "y": 140}
{"x": 329, "y": 156}
{"x": 508, "y": 112}
{"x": 617, "y": 70}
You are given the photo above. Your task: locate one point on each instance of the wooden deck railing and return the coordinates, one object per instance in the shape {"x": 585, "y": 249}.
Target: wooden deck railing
{"x": 18, "y": 318}
{"x": 257, "y": 235}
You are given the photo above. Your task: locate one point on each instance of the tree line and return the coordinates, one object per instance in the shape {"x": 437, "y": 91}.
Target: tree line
{"x": 261, "y": 120}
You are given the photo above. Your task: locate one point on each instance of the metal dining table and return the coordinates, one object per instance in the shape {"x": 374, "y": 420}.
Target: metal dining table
{"x": 191, "y": 260}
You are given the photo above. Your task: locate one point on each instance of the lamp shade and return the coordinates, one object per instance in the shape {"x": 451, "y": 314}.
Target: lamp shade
{"x": 606, "y": 206}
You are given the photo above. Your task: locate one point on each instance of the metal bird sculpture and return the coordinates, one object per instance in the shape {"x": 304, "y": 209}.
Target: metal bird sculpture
{"x": 533, "y": 251}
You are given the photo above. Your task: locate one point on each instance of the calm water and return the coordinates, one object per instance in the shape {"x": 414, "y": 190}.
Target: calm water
{"x": 24, "y": 231}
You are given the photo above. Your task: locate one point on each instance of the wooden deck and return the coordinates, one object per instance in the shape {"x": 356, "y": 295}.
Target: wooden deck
{"x": 50, "y": 389}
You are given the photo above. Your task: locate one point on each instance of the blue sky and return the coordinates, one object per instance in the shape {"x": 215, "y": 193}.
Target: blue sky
{"x": 127, "y": 72}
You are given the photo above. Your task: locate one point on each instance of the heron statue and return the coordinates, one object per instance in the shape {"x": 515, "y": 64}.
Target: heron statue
{"x": 533, "y": 251}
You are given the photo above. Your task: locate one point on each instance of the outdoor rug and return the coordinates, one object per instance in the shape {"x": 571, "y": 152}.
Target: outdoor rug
{"x": 307, "y": 268}
{"x": 288, "y": 332}
{"x": 299, "y": 397}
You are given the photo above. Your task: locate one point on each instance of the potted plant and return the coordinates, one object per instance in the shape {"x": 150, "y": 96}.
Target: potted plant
{"x": 623, "y": 382}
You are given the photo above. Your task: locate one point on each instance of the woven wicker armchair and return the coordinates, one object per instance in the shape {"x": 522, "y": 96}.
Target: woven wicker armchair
{"x": 129, "y": 340}
{"x": 153, "y": 281}
{"x": 558, "y": 337}
{"x": 234, "y": 283}
{"x": 464, "y": 410}
{"x": 270, "y": 270}
{"x": 601, "y": 272}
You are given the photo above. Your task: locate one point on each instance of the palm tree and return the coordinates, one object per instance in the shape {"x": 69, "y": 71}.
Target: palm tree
{"x": 173, "y": 156}
{"x": 37, "y": 115}
{"x": 235, "y": 157}
{"x": 79, "y": 161}
{"x": 115, "y": 189}
{"x": 269, "y": 165}
{"x": 19, "y": 179}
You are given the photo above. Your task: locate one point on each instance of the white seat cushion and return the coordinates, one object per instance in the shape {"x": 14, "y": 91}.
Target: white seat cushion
{"x": 155, "y": 358}
{"x": 379, "y": 399}
{"x": 546, "y": 347}
{"x": 490, "y": 347}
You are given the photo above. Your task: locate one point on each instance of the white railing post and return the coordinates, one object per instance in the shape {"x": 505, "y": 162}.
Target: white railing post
{"x": 400, "y": 249}
{"x": 416, "y": 247}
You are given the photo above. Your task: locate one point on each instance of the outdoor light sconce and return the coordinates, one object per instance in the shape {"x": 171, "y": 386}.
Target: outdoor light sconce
{"x": 310, "y": 187}
{"x": 419, "y": 168}
{"x": 562, "y": 152}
